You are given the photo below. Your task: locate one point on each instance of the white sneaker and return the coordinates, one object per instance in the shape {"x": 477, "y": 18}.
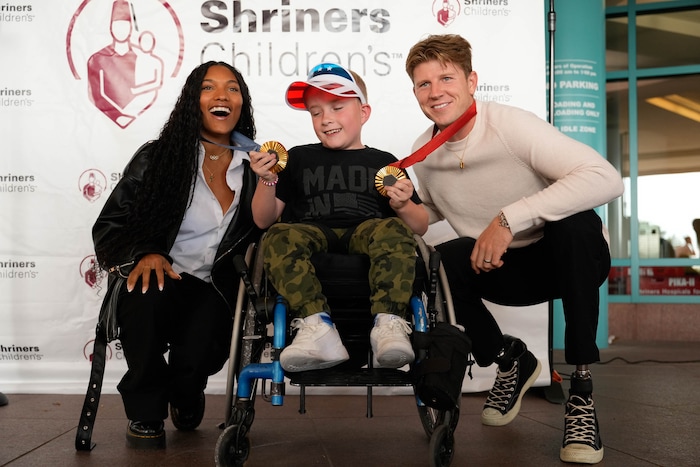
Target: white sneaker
{"x": 390, "y": 343}
{"x": 317, "y": 345}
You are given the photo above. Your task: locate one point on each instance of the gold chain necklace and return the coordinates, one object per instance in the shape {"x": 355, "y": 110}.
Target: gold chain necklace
{"x": 211, "y": 174}
{"x": 461, "y": 157}
{"x": 215, "y": 157}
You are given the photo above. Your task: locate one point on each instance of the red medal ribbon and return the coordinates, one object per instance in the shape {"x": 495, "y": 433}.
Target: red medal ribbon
{"x": 435, "y": 142}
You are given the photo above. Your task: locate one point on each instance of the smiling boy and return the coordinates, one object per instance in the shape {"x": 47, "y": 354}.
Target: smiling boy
{"x": 327, "y": 201}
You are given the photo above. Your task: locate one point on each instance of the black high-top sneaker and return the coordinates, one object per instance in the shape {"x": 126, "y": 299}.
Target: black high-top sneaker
{"x": 517, "y": 371}
{"x": 582, "y": 443}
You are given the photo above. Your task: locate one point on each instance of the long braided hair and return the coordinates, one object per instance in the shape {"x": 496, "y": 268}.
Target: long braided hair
{"x": 167, "y": 188}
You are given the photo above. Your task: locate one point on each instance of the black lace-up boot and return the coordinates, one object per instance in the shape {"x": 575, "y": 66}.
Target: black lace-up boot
{"x": 582, "y": 443}
{"x": 517, "y": 371}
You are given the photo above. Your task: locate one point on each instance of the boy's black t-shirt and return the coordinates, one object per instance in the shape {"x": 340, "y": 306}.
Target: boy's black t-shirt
{"x": 333, "y": 187}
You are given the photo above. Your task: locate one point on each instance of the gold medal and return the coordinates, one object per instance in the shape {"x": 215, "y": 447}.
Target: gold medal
{"x": 387, "y": 176}
{"x": 273, "y": 147}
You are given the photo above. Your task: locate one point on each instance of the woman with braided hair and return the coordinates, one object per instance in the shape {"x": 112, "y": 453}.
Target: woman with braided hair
{"x": 167, "y": 235}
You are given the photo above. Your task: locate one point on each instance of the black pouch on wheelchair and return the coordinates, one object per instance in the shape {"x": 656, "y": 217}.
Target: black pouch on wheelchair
{"x": 439, "y": 375}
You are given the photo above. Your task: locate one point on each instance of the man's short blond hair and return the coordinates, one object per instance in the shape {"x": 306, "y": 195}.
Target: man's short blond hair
{"x": 445, "y": 48}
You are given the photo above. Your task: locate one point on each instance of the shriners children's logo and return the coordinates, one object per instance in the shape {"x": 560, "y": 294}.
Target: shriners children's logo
{"x": 124, "y": 55}
{"x": 445, "y": 11}
{"x": 90, "y": 345}
{"x": 92, "y": 183}
{"x": 92, "y": 273}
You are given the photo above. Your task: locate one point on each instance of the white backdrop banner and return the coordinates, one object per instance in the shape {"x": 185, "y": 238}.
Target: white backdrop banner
{"x": 69, "y": 124}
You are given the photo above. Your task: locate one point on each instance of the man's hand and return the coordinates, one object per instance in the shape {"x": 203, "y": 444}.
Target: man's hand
{"x": 490, "y": 247}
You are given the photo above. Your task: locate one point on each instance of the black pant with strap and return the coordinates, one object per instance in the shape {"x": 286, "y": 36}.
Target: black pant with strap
{"x": 191, "y": 320}
{"x": 570, "y": 262}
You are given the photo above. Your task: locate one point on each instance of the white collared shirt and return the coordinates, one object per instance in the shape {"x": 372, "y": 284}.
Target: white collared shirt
{"x": 205, "y": 224}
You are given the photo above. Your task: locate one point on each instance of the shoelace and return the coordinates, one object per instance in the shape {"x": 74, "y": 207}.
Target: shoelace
{"x": 305, "y": 330}
{"x": 394, "y": 326}
{"x": 503, "y": 389}
{"x": 580, "y": 421}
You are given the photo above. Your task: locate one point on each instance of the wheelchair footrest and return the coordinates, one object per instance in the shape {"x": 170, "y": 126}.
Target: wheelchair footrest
{"x": 352, "y": 377}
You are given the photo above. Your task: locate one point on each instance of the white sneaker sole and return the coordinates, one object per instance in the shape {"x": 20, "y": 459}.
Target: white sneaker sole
{"x": 395, "y": 358}
{"x": 492, "y": 417}
{"x": 580, "y": 454}
{"x": 294, "y": 360}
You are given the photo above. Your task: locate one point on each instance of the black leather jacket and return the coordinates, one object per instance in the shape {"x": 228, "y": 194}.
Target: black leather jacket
{"x": 240, "y": 233}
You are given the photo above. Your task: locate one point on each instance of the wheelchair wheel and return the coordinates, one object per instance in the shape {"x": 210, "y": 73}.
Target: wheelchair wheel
{"x": 248, "y": 339}
{"x": 442, "y": 310}
{"x": 430, "y": 418}
{"x": 232, "y": 447}
{"x": 236, "y": 359}
{"x": 441, "y": 447}
{"x": 252, "y": 344}
{"x": 253, "y": 341}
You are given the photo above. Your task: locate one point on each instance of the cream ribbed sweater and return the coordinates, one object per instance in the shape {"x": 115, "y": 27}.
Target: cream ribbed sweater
{"x": 516, "y": 162}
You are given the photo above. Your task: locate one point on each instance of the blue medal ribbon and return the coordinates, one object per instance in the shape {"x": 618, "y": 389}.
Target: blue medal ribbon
{"x": 240, "y": 143}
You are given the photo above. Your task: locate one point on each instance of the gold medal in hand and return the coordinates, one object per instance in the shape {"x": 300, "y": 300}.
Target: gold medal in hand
{"x": 387, "y": 176}
{"x": 280, "y": 153}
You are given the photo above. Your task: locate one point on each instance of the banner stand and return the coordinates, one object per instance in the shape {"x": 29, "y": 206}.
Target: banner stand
{"x": 554, "y": 393}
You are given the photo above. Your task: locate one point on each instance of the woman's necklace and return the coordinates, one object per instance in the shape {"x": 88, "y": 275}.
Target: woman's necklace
{"x": 461, "y": 156}
{"x": 211, "y": 174}
{"x": 215, "y": 157}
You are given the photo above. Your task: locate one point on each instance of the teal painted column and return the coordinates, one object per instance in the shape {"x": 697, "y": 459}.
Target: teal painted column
{"x": 579, "y": 103}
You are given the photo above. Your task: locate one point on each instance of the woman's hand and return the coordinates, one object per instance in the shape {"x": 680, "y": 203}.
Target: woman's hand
{"x": 144, "y": 268}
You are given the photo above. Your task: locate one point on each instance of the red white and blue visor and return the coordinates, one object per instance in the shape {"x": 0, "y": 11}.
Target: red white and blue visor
{"x": 329, "y": 77}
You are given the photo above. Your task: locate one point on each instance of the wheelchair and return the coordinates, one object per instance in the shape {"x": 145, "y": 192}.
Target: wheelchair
{"x": 260, "y": 312}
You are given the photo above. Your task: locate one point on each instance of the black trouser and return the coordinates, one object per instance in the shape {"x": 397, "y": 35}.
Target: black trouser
{"x": 570, "y": 262}
{"x": 190, "y": 319}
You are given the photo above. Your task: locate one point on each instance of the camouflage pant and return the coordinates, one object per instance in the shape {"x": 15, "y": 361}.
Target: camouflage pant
{"x": 389, "y": 243}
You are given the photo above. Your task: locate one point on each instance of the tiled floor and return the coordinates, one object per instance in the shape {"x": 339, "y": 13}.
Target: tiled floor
{"x": 649, "y": 414}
